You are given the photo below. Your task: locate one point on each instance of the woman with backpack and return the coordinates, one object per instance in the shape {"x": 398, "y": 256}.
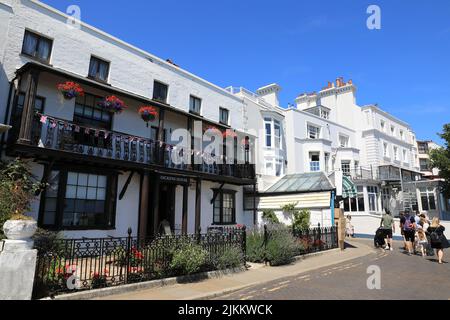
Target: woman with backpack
{"x": 408, "y": 225}
{"x": 438, "y": 240}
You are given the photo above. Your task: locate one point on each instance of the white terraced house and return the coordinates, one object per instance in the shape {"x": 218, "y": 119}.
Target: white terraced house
{"x": 106, "y": 171}
{"x": 370, "y": 156}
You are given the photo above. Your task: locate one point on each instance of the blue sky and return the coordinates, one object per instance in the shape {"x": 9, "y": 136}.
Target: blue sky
{"x": 404, "y": 67}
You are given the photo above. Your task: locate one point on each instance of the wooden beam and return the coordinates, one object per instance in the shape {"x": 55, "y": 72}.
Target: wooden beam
{"x": 184, "y": 227}
{"x": 125, "y": 186}
{"x": 198, "y": 205}
{"x": 216, "y": 193}
{"x": 45, "y": 176}
{"x": 144, "y": 205}
{"x": 155, "y": 204}
{"x": 28, "y": 107}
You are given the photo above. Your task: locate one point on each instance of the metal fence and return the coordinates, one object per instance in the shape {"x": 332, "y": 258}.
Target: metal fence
{"x": 83, "y": 264}
{"x": 308, "y": 240}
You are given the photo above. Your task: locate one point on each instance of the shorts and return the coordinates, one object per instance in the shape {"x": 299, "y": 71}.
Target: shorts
{"x": 410, "y": 235}
{"x": 387, "y": 233}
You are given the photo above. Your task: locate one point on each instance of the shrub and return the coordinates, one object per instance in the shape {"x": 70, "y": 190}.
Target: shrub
{"x": 255, "y": 247}
{"x": 301, "y": 219}
{"x": 189, "y": 259}
{"x": 18, "y": 187}
{"x": 230, "y": 258}
{"x": 281, "y": 248}
{"x": 270, "y": 217}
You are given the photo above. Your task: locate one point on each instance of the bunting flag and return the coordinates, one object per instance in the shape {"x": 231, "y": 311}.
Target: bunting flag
{"x": 44, "y": 119}
{"x": 76, "y": 128}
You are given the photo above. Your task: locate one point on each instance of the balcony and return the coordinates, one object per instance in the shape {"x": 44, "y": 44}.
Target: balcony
{"x": 57, "y": 138}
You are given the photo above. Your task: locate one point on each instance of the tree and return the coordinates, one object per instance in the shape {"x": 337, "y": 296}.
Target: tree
{"x": 300, "y": 218}
{"x": 440, "y": 159}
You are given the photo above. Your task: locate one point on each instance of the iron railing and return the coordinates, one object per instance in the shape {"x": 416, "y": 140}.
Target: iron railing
{"x": 58, "y": 134}
{"x": 308, "y": 240}
{"x": 2, "y": 245}
{"x": 81, "y": 264}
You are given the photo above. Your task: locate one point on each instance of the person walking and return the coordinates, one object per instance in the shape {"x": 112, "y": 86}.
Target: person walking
{"x": 402, "y": 216}
{"x": 349, "y": 228}
{"x": 408, "y": 225}
{"x": 422, "y": 242}
{"x": 438, "y": 240}
{"x": 388, "y": 227}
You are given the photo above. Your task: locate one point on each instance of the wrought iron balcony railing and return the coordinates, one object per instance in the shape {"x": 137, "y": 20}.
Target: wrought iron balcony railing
{"x": 58, "y": 134}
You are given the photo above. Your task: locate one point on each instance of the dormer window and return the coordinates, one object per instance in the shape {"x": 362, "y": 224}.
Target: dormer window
{"x": 325, "y": 114}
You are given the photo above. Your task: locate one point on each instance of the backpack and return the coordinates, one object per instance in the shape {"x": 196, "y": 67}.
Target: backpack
{"x": 435, "y": 237}
{"x": 408, "y": 224}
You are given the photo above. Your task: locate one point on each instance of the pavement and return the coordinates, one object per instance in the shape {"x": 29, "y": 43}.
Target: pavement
{"x": 400, "y": 277}
{"x": 257, "y": 275}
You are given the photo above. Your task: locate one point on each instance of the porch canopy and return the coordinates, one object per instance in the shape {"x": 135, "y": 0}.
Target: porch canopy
{"x": 308, "y": 190}
{"x": 348, "y": 188}
{"x": 301, "y": 183}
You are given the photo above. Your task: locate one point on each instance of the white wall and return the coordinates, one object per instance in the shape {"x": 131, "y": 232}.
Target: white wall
{"x": 131, "y": 68}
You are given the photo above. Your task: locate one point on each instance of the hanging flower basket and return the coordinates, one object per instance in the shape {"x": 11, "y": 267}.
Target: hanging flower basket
{"x": 70, "y": 90}
{"x": 112, "y": 104}
{"x": 229, "y": 134}
{"x": 148, "y": 113}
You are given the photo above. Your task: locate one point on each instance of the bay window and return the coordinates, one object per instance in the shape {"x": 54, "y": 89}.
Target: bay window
{"x": 314, "y": 161}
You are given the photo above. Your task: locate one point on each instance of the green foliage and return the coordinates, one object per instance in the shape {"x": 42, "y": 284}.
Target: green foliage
{"x": 255, "y": 247}
{"x": 281, "y": 248}
{"x": 301, "y": 219}
{"x": 18, "y": 187}
{"x": 440, "y": 159}
{"x": 189, "y": 259}
{"x": 231, "y": 257}
{"x": 270, "y": 217}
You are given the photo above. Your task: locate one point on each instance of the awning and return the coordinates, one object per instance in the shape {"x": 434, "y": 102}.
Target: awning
{"x": 348, "y": 188}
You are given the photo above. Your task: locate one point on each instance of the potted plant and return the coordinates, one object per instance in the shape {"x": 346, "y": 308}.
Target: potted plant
{"x": 17, "y": 189}
{"x": 71, "y": 90}
{"x": 112, "y": 104}
{"x": 148, "y": 113}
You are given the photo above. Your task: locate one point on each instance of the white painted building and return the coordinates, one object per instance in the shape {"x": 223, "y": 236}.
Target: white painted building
{"x": 110, "y": 172}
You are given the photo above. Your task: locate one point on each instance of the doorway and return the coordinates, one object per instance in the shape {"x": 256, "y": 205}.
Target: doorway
{"x": 166, "y": 215}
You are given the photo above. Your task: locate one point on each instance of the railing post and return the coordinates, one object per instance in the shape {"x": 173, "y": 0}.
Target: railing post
{"x": 199, "y": 235}
{"x": 127, "y": 271}
{"x": 266, "y": 236}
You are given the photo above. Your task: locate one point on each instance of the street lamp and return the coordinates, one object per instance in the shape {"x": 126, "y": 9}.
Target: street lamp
{"x": 4, "y": 128}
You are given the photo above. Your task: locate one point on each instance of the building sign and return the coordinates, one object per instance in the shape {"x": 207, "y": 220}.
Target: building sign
{"x": 174, "y": 179}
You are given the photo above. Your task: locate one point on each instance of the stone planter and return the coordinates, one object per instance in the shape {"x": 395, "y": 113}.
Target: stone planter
{"x": 20, "y": 229}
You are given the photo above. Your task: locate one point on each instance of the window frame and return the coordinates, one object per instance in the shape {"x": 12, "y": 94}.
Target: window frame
{"x": 268, "y": 132}
{"x": 344, "y": 138}
{"x": 96, "y": 77}
{"x": 154, "y": 97}
{"x": 318, "y": 130}
{"x": 78, "y": 119}
{"x": 110, "y": 199}
{"x": 314, "y": 166}
{"x": 221, "y": 111}
{"x": 39, "y": 37}
{"x": 277, "y": 138}
{"x": 346, "y": 163}
{"x": 218, "y": 194}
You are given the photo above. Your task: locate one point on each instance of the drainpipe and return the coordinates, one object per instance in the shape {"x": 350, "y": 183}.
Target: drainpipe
{"x": 8, "y": 106}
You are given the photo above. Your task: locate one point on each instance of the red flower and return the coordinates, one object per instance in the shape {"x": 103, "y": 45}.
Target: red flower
{"x": 71, "y": 89}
